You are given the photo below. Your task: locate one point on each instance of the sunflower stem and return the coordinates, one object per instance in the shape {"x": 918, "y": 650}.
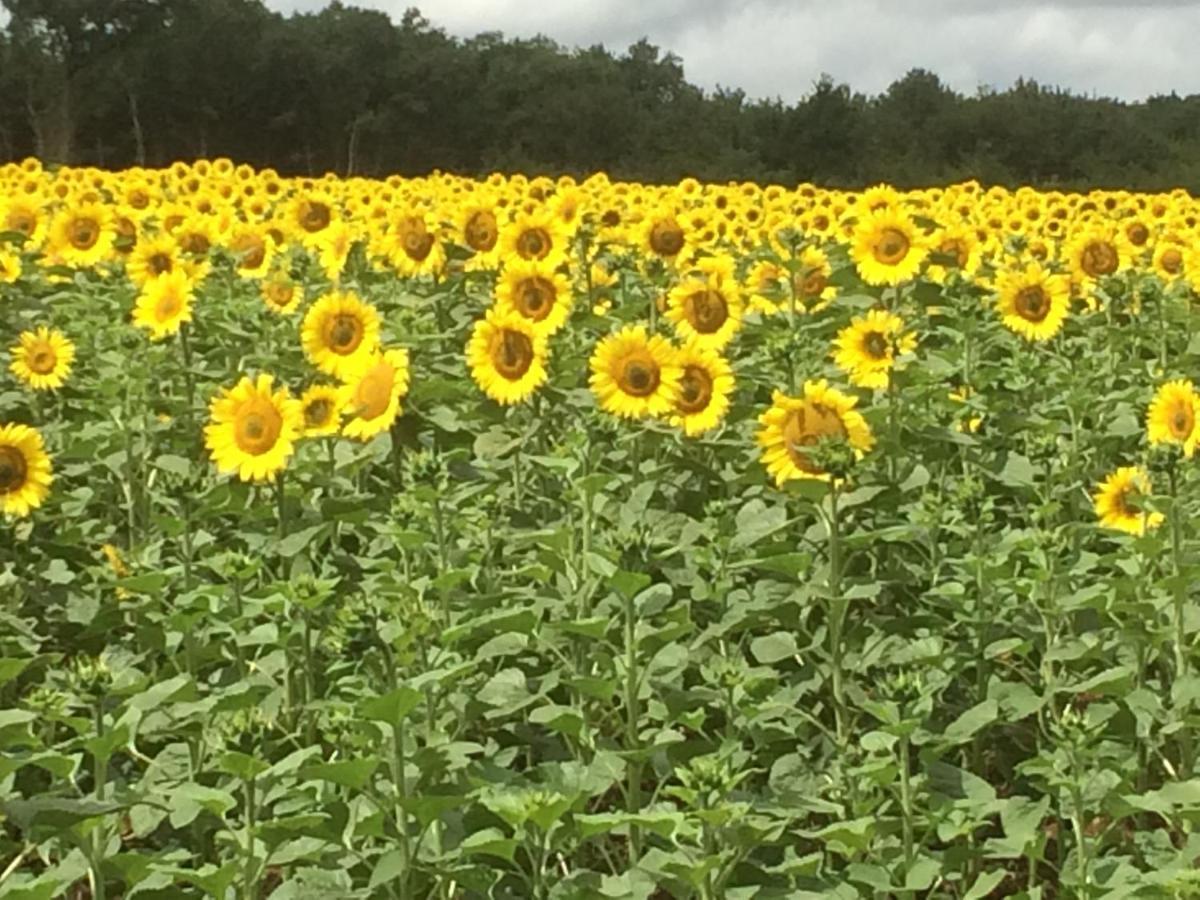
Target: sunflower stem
{"x": 100, "y": 835}
{"x": 280, "y": 502}
{"x": 634, "y": 790}
{"x": 1177, "y": 589}
{"x": 837, "y": 613}
{"x": 188, "y": 378}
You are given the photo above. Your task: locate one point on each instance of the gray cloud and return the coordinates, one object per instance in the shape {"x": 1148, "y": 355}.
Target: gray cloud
{"x": 775, "y": 48}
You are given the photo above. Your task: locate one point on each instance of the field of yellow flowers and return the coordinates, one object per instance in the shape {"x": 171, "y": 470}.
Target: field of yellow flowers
{"x": 530, "y": 538}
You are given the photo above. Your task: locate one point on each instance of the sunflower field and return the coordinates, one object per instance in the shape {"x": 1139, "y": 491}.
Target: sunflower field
{"x": 529, "y": 538}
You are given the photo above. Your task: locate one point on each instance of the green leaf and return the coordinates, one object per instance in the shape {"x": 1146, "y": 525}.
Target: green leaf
{"x": 489, "y": 842}
{"x": 984, "y": 885}
{"x": 772, "y": 648}
{"x": 973, "y": 720}
{"x": 294, "y": 543}
{"x": 1018, "y": 471}
{"x": 388, "y": 867}
{"x": 176, "y": 465}
{"x": 392, "y": 707}
{"x": 351, "y": 773}
{"x": 241, "y": 765}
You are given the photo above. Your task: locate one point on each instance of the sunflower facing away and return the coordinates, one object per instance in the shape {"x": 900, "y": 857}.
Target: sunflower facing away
{"x": 706, "y": 307}
{"x": 42, "y": 359}
{"x": 1118, "y": 501}
{"x": 705, "y": 386}
{"x": 1033, "y": 302}
{"x": 634, "y": 375}
{"x": 164, "y": 305}
{"x": 253, "y": 429}
{"x": 339, "y": 333}
{"x": 1173, "y": 416}
{"x": 535, "y": 292}
{"x": 506, "y": 355}
{"x": 887, "y": 249}
{"x": 372, "y": 394}
{"x": 866, "y": 348}
{"x": 321, "y": 409}
{"x": 24, "y": 470}
{"x": 794, "y": 423}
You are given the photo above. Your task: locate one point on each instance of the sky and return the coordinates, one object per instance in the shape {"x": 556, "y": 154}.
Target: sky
{"x": 779, "y": 48}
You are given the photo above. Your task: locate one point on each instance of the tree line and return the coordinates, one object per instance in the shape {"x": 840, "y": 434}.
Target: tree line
{"x": 115, "y": 83}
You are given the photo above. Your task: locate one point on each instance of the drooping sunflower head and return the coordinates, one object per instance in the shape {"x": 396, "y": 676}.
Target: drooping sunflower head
{"x": 506, "y": 355}
{"x": 42, "y": 358}
{"x": 83, "y": 235}
{"x": 1173, "y": 416}
{"x": 1120, "y": 501}
{"x": 634, "y": 375}
{"x": 1033, "y": 302}
{"x": 321, "y": 410}
{"x": 372, "y": 393}
{"x": 253, "y": 429}
{"x": 866, "y": 349}
{"x": 887, "y": 248}
{"x": 25, "y": 472}
{"x": 793, "y": 426}
{"x": 706, "y": 384}
{"x": 164, "y": 304}
{"x": 339, "y": 332}
{"x": 707, "y": 305}
{"x": 535, "y": 292}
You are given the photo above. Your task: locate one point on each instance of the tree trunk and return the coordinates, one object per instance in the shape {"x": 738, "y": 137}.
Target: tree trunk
{"x": 139, "y": 140}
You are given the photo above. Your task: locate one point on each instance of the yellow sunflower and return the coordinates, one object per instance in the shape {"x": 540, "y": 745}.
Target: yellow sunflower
{"x": 1096, "y": 251}
{"x": 411, "y": 247}
{"x": 164, "y": 305}
{"x": 866, "y": 348}
{"x": 537, "y": 237}
{"x": 339, "y": 333}
{"x": 310, "y": 214}
{"x": 372, "y": 394}
{"x": 795, "y": 423}
{"x": 10, "y": 267}
{"x": 25, "y": 475}
{"x": 253, "y": 429}
{"x": 1118, "y": 501}
{"x": 252, "y": 251}
{"x": 1173, "y": 414}
{"x": 635, "y": 375}
{"x": 1033, "y": 302}
{"x": 25, "y": 215}
{"x": 152, "y": 257}
{"x": 536, "y": 292}
{"x": 321, "y": 410}
{"x": 280, "y": 294}
{"x": 810, "y": 281}
{"x": 333, "y": 249}
{"x": 506, "y": 355}
{"x": 1170, "y": 261}
{"x": 479, "y": 230}
{"x": 705, "y": 385}
{"x": 706, "y": 306}
{"x": 886, "y": 248}
{"x": 42, "y": 359}
{"x": 663, "y": 234}
{"x": 82, "y": 236}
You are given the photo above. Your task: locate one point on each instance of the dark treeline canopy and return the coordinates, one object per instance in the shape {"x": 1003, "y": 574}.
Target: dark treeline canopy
{"x": 121, "y": 82}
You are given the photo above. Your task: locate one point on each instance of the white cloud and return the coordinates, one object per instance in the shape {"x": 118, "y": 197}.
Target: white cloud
{"x": 777, "y": 48}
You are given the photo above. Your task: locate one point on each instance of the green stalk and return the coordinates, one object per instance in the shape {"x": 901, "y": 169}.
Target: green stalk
{"x": 188, "y": 377}
{"x": 634, "y": 790}
{"x": 398, "y": 766}
{"x": 280, "y": 502}
{"x": 99, "y": 835}
{"x": 837, "y": 613}
{"x": 906, "y": 804}
{"x": 249, "y": 881}
{"x": 1181, "y": 658}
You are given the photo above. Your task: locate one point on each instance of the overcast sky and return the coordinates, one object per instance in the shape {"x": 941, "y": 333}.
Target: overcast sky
{"x": 778, "y": 48}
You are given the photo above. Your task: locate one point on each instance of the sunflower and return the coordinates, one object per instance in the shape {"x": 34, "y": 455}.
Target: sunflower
{"x": 42, "y": 359}
{"x": 24, "y": 470}
{"x": 10, "y": 267}
{"x": 321, "y": 410}
{"x": 886, "y": 248}
{"x": 479, "y": 231}
{"x": 1097, "y": 251}
{"x": 707, "y": 306}
{"x": 253, "y": 429}
{"x": 705, "y": 386}
{"x": 663, "y": 235}
{"x": 373, "y": 392}
{"x": 634, "y": 375}
{"x": 152, "y": 257}
{"x": 82, "y": 236}
{"x": 794, "y": 423}
{"x": 280, "y": 294}
{"x": 1173, "y": 415}
{"x": 954, "y": 249}
{"x": 866, "y": 348}
{"x": 1032, "y": 301}
{"x": 506, "y": 355}
{"x": 1118, "y": 501}
{"x": 1170, "y": 261}
{"x": 310, "y": 214}
{"x": 333, "y": 249}
{"x": 339, "y": 333}
{"x": 536, "y": 237}
{"x": 536, "y": 292}
{"x": 411, "y": 247}
{"x": 164, "y": 305}
{"x": 810, "y": 281}
{"x": 24, "y": 215}
{"x": 252, "y": 251}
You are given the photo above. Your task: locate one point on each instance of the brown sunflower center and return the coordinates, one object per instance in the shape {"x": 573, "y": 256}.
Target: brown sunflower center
{"x": 875, "y": 344}
{"x": 13, "y": 470}
{"x": 279, "y": 293}
{"x": 610, "y": 219}
{"x": 666, "y": 237}
{"x": 891, "y": 247}
{"x": 83, "y": 233}
{"x": 695, "y": 390}
{"x": 481, "y": 232}
{"x": 257, "y": 426}
{"x": 22, "y": 222}
{"x": 315, "y": 216}
{"x": 195, "y": 242}
{"x": 316, "y": 412}
{"x": 639, "y": 376}
{"x": 1099, "y": 258}
{"x": 159, "y": 263}
{"x": 1138, "y": 234}
{"x": 805, "y": 427}
{"x": 1032, "y": 303}
{"x": 1171, "y": 261}
{"x": 812, "y": 284}
{"x": 512, "y": 354}
{"x": 250, "y": 250}
{"x": 706, "y": 311}
{"x": 535, "y": 297}
{"x": 417, "y": 243}
{"x": 343, "y": 333}
{"x": 42, "y": 359}
{"x": 957, "y": 252}
{"x": 533, "y": 243}
{"x": 1182, "y": 421}
{"x": 374, "y": 391}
